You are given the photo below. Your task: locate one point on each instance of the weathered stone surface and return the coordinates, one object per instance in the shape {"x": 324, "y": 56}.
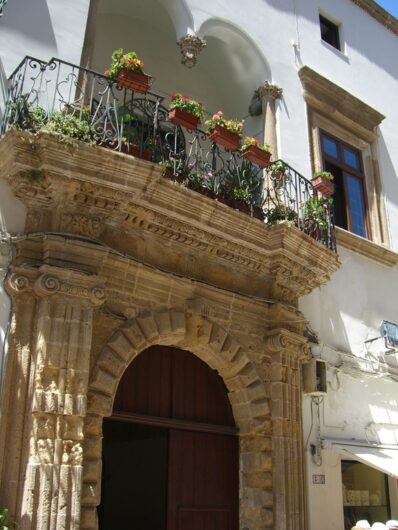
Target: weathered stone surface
{"x": 198, "y": 278}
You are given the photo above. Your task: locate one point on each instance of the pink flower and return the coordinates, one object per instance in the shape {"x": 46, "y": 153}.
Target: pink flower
{"x": 207, "y": 122}
{"x": 220, "y": 113}
{"x": 106, "y": 72}
{"x": 216, "y": 117}
{"x": 142, "y": 64}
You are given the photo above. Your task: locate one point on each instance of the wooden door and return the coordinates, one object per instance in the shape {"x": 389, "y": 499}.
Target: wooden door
{"x": 174, "y": 390}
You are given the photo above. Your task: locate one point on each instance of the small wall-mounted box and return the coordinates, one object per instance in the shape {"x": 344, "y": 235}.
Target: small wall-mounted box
{"x": 314, "y": 378}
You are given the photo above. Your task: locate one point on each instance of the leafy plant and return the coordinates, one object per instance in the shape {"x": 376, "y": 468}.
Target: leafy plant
{"x": 121, "y": 60}
{"x": 70, "y": 127}
{"x": 280, "y": 213}
{"x": 278, "y": 167}
{"x": 233, "y": 126}
{"x": 24, "y": 116}
{"x": 186, "y": 104}
{"x": 5, "y": 522}
{"x": 194, "y": 181}
{"x": 316, "y": 213}
{"x": 243, "y": 183}
{"x": 249, "y": 141}
{"x": 324, "y": 174}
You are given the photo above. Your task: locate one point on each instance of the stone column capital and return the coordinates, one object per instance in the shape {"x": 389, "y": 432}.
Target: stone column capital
{"x": 190, "y": 46}
{"x": 50, "y": 281}
{"x": 282, "y": 340}
{"x": 270, "y": 91}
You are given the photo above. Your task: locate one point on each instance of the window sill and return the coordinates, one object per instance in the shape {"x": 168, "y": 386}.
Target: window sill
{"x": 366, "y": 248}
{"x": 336, "y": 51}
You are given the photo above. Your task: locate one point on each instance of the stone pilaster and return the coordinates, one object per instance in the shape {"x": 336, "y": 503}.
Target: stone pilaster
{"x": 268, "y": 94}
{"x": 287, "y": 351}
{"x": 54, "y": 380}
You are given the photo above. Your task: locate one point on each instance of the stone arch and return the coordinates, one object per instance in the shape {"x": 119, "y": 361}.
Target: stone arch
{"x": 222, "y": 352}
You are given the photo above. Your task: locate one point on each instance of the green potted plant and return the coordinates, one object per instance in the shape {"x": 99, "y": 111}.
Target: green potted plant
{"x": 128, "y": 70}
{"x": 70, "y": 126}
{"x": 242, "y": 189}
{"x": 316, "y": 216}
{"x": 278, "y": 170}
{"x": 280, "y": 212}
{"x": 322, "y": 182}
{"x": 185, "y": 111}
{"x": 256, "y": 152}
{"x": 225, "y": 132}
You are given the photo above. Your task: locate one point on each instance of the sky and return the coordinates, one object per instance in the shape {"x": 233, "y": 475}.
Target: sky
{"x": 389, "y": 5}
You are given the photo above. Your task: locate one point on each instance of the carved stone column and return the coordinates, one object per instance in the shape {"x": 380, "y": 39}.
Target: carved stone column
{"x": 269, "y": 94}
{"x": 46, "y": 390}
{"x": 287, "y": 351}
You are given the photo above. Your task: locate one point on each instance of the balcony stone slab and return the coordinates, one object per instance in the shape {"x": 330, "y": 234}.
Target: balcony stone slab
{"x": 125, "y": 203}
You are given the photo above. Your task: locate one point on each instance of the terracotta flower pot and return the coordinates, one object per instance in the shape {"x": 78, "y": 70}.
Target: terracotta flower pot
{"x": 257, "y": 156}
{"x": 325, "y": 186}
{"x": 134, "y": 150}
{"x": 134, "y": 80}
{"x": 227, "y": 139}
{"x": 179, "y": 117}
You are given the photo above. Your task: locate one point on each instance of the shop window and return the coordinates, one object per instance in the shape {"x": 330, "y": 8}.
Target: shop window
{"x": 365, "y": 494}
{"x": 345, "y": 163}
{"x": 329, "y": 32}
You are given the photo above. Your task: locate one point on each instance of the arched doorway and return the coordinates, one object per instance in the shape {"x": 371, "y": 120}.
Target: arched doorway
{"x": 170, "y": 448}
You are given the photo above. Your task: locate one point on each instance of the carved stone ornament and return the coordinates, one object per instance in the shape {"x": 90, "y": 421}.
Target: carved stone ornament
{"x": 190, "y": 46}
{"x": 270, "y": 91}
{"x": 47, "y": 285}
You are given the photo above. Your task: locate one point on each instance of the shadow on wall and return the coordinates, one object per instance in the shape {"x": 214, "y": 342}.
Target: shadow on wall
{"x": 387, "y": 171}
{"x": 30, "y": 22}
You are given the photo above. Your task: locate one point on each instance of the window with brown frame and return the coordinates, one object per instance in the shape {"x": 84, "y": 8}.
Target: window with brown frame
{"x": 345, "y": 163}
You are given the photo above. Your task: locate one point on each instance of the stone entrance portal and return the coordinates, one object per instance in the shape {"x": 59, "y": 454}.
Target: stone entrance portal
{"x": 170, "y": 448}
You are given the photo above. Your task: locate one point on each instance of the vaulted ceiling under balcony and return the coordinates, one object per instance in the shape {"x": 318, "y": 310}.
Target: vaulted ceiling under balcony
{"x": 225, "y": 77}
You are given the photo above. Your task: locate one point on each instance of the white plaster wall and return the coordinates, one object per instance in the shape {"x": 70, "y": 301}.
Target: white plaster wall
{"x": 42, "y": 29}
{"x": 353, "y": 402}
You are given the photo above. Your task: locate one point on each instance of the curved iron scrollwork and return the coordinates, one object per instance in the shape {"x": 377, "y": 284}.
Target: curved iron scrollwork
{"x": 2, "y": 4}
{"x": 137, "y": 124}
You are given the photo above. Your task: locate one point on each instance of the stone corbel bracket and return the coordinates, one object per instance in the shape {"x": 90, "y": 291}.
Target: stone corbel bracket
{"x": 190, "y": 45}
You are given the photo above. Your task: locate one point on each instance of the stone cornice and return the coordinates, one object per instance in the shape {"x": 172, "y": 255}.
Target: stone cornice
{"x": 329, "y": 98}
{"x": 120, "y": 201}
{"x": 366, "y": 248}
{"x": 380, "y": 14}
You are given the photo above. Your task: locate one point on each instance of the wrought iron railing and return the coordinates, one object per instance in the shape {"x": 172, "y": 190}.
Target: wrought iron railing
{"x": 137, "y": 124}
{"x": 2, "y": 4}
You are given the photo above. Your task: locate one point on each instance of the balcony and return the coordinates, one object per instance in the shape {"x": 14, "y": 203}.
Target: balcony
{"x": 101, "y": 112}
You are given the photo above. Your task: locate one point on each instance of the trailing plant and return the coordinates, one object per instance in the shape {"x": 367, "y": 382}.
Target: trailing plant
{"x": 186, "y": 104}
{"x": 233, "y": 126}
{"x": 280, "y": 213}
{"x": 249, "y": 141}
{"x": 5, "y": 522}
{"x": 121, "y": 60}
{"x": 324, "y": 174}
{"x": 70, "y": 127}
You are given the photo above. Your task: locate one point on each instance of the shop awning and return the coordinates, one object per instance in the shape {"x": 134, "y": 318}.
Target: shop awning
{"x": 383, "y": 458}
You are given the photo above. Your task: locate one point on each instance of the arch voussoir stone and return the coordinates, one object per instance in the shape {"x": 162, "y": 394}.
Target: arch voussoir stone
{"x": 221, "y": 351}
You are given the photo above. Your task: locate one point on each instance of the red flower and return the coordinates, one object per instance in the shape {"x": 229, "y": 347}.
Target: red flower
{"x": 186, "y": 98}
{"x": 132, "y": 61}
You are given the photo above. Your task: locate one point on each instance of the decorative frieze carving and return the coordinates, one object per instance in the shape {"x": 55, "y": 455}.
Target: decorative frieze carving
{"x": 81, "y": 224}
